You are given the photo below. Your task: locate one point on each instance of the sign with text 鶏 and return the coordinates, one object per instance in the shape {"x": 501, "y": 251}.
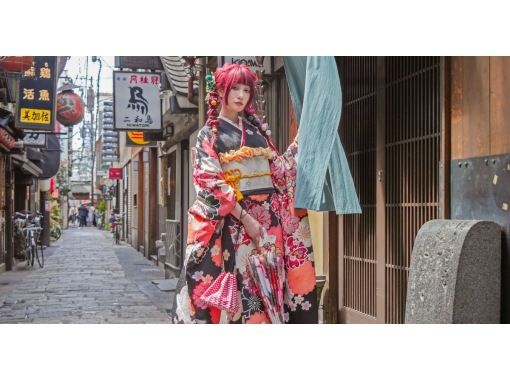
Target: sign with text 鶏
{"x": 36, "y": 97}
{"x": 137, "y": 105}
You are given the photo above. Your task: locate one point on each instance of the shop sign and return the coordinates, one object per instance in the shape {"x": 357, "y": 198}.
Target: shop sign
{"x": 137, "y": 103}
{"x": 6, "y": 139}
{"x": 36, "y": 97}
{"x": 115, "y": 173}
{"x": 34, "y": 138}
{"x": 249, "y": 61}
{"x": 139, "y": 62}
{"x": 138, "y": 138}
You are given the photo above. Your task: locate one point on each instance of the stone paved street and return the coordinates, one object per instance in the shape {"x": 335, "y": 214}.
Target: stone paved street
{"x": 86, "y": 279}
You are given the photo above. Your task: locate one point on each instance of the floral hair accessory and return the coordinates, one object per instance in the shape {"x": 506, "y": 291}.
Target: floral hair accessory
{"x": 209, "y": 82}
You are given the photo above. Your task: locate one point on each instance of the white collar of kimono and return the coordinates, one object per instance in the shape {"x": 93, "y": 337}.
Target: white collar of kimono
{"x": 240, "y": 125}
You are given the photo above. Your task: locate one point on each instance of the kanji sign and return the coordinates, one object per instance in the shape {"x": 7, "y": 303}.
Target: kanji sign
{"x": 137, "y": 105}
{"x": 34, "y": 138}
{"x": 115, "y": 173}
{"x": 36, "y": 98}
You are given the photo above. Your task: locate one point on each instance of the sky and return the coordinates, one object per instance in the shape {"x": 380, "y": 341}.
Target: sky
{"x": 76, "y": 69}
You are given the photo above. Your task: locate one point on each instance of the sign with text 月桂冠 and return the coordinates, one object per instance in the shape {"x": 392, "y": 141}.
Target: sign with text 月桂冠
{"x": 137, "y": 105}
{"x": 36, "y": 96}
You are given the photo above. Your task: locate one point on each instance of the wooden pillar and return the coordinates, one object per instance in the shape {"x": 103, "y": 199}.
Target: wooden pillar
{"x": 445, "y": 154}
{"x": 9, "y": 211}
{"x": 140, "y": 239}
{"x": 153, "y": 200}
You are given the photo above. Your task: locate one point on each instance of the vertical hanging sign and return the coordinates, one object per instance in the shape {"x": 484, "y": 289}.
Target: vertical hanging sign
{"x": 36, "y": 97}
{"x": 137, "y": 104}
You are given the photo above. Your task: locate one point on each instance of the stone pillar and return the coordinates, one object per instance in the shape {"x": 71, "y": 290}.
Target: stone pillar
{"x": 455, "y": 273}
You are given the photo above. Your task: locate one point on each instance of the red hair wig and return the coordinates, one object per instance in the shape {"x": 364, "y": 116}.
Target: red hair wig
{"x": 226, "y": 77}
{"x": 232, "y": 74}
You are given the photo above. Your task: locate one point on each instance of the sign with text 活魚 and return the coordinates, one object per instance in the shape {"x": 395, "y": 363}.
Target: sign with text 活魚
{"x": 137, "y": 105}
{"x": 36, "y": 97}
{"x": 34, "y": 138}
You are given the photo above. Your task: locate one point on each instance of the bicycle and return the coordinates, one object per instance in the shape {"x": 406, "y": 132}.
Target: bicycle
{"x": 115, "y": 222}
{"x": 29, "y": 228}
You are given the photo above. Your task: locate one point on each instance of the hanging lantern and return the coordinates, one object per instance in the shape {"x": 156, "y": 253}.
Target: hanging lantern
{"x": 70, "y": 108}
{"x": 16, "y": 64}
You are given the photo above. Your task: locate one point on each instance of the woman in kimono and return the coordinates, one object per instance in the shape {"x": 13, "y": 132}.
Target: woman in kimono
{"x": 245, "y": 193}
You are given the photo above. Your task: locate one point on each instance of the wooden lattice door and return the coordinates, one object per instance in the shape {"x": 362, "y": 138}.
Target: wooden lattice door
{"x": 390, "y": 130}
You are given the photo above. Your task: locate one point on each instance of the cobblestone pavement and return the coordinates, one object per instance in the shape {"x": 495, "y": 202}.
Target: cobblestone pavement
{"x": 85, "y": 279}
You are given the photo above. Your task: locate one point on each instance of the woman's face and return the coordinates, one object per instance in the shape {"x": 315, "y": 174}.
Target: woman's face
{"x": 238, "y": 98}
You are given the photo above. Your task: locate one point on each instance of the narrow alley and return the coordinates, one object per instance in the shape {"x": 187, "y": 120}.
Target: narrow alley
{"x": 86, "y": 279}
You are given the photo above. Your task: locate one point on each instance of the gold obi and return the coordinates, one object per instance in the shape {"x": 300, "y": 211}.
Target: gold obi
{"x": 248, "y": 174}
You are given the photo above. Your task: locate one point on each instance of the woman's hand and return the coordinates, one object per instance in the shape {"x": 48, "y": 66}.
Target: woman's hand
{"x": 253, "y": 228}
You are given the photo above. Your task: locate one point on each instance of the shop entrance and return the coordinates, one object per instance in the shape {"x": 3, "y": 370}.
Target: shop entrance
{"x": 390, "y": 129}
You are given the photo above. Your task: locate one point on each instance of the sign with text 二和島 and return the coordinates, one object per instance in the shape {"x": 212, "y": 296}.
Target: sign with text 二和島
{"x": 36, "y": 97}
{"x": 137, "y": 105}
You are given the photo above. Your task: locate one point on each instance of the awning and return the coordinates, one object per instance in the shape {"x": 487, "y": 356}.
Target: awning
{"x": 177, "y": 75}
{"x": 7, "y": 130}
{"x": 182, "y": 115}
{"x": 28, "y": 167}
{"x": 80, "y": 189}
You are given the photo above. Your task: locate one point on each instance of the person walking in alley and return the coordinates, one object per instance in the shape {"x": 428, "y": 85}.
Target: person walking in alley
{"x": 83, "y": 212}
{"x": 91, "y": 218}
{"x": 73, "y": 213}
{"x": 244, "y": 207}
{"x": 96, "y": 221}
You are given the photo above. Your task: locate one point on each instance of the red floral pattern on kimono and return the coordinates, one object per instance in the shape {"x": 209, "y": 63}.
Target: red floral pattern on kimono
{"x": 216, "y": 239}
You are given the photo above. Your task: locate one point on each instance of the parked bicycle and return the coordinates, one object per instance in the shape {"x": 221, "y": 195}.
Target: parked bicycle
{"x": 115, "y": 226}
{"x": 28, "y": 233}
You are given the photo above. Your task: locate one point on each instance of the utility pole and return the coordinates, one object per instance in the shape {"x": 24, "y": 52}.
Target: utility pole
{"x": 94, "y": 128}
{"x": 69, "y": 165}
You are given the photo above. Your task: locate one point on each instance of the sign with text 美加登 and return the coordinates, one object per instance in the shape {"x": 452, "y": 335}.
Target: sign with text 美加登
{"x": 137, "y": 104}
{"x": 36, "y": 97}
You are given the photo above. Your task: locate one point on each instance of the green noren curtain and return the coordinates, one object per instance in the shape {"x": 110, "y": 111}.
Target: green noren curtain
{"x": 324, "y": 181}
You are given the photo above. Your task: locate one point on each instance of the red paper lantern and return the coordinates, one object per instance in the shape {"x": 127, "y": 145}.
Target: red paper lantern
{"x": 16, "y": 64}
{"x": 70, "y": 108}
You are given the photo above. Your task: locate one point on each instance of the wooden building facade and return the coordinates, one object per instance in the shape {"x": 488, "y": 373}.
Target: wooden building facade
{"x": 408, "y": 124}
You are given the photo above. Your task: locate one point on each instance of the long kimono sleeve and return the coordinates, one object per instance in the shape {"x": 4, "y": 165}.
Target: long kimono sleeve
{"x": 284, "y": 169}
{"x": 215, "y": 200}
{"x": 301, "y": 296}
{"x": 215, "y": 197}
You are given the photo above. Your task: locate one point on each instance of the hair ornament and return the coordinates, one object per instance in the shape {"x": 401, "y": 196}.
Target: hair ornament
{"x": 209, "y": 82}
